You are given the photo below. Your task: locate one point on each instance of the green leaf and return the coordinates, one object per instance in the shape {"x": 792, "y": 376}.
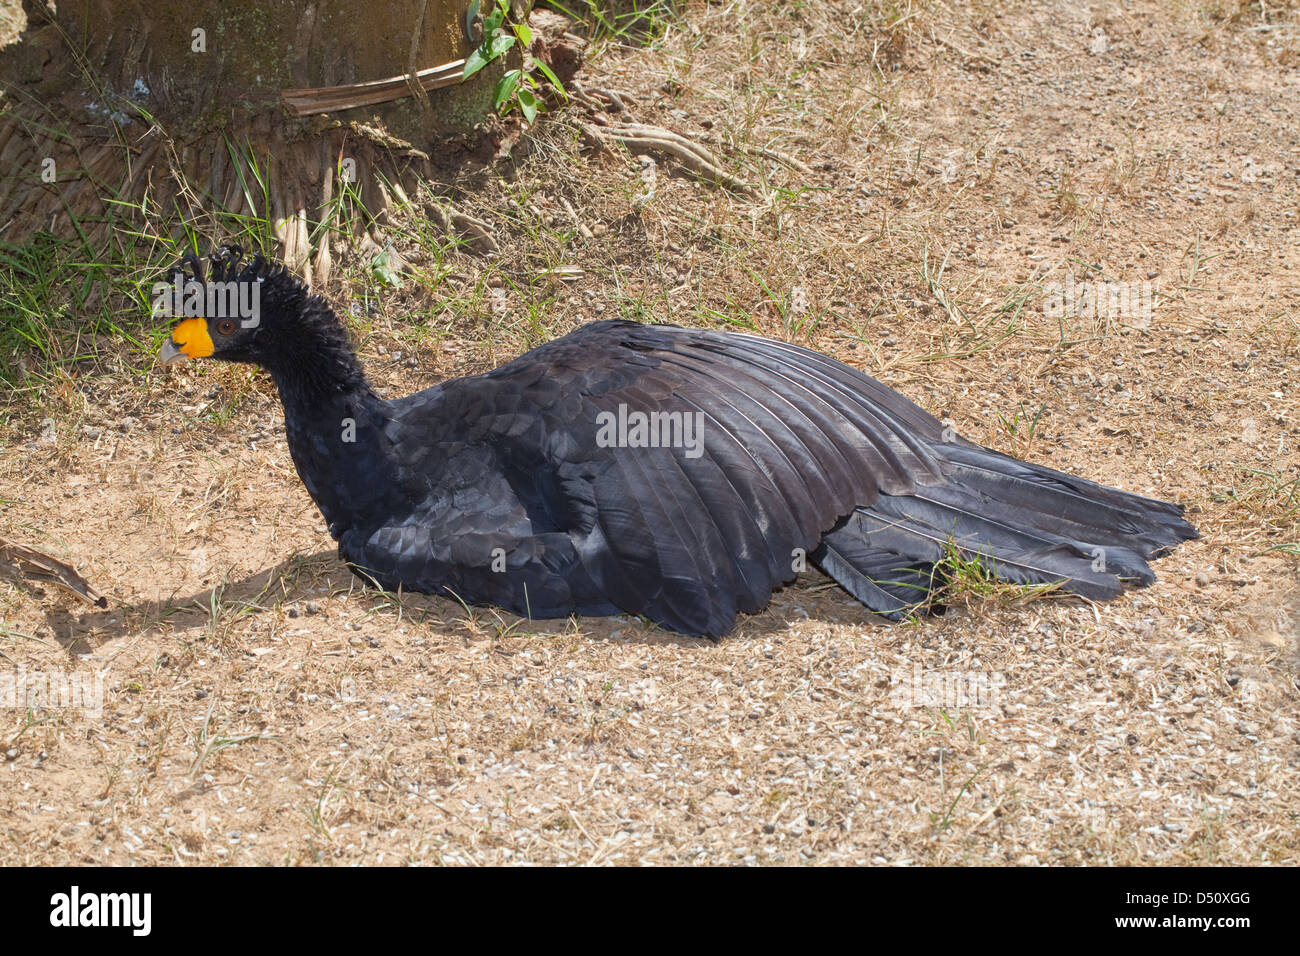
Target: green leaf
{"x": 384, "y": 269}
{"x": 555, "y": 80}
{"x": 529, "y": 104}
{"x": 493, "y": 20}
{"x": 475, "y": 62}
{"x": 484, "y": 54}
{"x": 525, "y": 33}
{"x": 506, "y": 88}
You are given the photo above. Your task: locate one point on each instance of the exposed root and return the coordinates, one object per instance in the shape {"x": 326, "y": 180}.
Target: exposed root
{"x": 16, "y": 157}
{"x": 383, "y": 202}
{"x": 785, "y": 159}
{"x": 577, "y": 92}
{"x": 322, "y": 265}
{"x": 476, "y": 234}
{"x": 619, "y": 101}
{"x": 638, "y": 138}
{"x": 139, "y": 167}
{"x": 82, "y": 200}
{"x": 8, "y": 129}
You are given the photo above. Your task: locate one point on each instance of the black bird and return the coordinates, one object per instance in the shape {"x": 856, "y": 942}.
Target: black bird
{"x": 673, "y": 473}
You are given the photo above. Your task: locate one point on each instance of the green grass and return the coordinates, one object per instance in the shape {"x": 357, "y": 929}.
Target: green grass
{"x": 620, "y": 21}
{"x": 1270, "y": 498}
{"x": 964, "y": 574}
{"x": 208, "y": 744}
{"x": 64, "y": 297}
{"x": 69, "y": 304}
{"x": 59, "y": 296}
{"x": 1021, "y": 427}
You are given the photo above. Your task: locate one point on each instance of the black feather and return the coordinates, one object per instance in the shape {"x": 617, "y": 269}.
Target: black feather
{"x": 496, "y": 489}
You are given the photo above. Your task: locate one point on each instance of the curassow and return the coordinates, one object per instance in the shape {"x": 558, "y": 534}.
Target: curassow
{"x": 673, "y": 473}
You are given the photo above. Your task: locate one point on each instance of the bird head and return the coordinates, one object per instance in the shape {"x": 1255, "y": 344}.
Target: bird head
{"x": 237, "y": 311}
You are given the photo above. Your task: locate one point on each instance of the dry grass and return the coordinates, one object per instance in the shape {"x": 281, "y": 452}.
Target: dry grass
{"x": 261, "y": 708}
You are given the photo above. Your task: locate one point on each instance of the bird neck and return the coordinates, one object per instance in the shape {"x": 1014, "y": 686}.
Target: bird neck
{"x": 333, "y": 421}
{"x": 314, "y": 365}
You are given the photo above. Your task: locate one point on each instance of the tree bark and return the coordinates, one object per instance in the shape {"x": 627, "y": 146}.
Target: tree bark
{"x": 109, "y": 103}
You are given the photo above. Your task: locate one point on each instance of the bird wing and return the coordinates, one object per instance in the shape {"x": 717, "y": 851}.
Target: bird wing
{"x": 788, "y": 442}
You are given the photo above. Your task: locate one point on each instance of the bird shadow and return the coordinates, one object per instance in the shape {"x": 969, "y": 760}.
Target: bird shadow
{"x": 299, "y": 577}
{"x": 210, "y": 613}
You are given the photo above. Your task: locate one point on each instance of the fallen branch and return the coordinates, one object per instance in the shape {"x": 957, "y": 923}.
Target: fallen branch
{"x": 17, "y": 561}
{"x": 328, "y": 99}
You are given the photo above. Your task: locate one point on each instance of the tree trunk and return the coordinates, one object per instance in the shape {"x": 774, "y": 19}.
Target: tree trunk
{"x": 177, "y": 108}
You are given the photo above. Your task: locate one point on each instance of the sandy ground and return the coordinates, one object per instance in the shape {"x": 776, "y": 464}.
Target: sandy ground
{"x": 951, "y": 162}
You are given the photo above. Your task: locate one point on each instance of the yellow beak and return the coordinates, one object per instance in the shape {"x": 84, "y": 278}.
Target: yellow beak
{"x": 190, "y": 339}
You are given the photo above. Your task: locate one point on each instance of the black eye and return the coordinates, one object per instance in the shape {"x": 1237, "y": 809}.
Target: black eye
{"x": 226, "y": 326}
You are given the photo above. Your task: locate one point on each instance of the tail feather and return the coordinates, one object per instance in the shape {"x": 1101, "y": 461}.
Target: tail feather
{"x": 884, "y": 581}
{"x": 1065, "y": 504}
{"x": 1029, "y": 524}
